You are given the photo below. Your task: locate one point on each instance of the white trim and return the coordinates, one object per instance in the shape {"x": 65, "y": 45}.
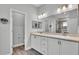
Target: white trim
{"x": 12, "y": 9}
{"x": 26, "y": 32}
{"x": 18, "y": 45}
{"x": 11, "y": 24}
{"x": 11, "y": 38}
{"x": 28, "y": 48}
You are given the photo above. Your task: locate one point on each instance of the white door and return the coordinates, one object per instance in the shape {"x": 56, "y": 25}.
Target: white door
{"x": 18, "y": 28}
{"x": 53, "y": 47}
{"x": 69, "y": 48}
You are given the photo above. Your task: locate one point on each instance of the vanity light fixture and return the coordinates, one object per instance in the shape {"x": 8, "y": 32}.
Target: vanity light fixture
{"x": 42, "y": 16}
{"x": 64, "y": 8}
{"x": 59, "y": 10}
{"x": 4, "y": 20}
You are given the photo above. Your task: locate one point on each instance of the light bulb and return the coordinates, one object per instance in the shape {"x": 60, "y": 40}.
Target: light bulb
{"x": 40, "y": 16}
{"x": 58, "y": 10}
{"x": 64, "y": 8}
{"x": 44, "y": 15}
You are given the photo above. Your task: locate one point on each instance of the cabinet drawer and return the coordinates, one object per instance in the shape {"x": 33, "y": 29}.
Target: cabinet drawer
{"x": 44, "y": 39}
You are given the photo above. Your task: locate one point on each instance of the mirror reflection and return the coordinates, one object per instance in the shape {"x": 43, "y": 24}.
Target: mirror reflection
{"x": 64, "y": 20}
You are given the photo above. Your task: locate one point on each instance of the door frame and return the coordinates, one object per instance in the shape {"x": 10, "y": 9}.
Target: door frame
{"x": 11, "y": 28}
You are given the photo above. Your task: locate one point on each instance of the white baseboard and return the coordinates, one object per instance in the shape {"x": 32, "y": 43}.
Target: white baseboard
{"x": 28, "y": 48}
{"x": 18, "y": 45}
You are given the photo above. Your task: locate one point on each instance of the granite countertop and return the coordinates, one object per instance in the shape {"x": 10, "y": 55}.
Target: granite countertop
{"x": 70, "y": 37}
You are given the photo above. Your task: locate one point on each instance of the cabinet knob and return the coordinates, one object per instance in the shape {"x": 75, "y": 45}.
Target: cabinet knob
{"x": 59, "y": 42}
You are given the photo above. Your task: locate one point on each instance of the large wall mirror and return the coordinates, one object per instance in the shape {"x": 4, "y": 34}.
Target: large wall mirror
{"x": 60, "y": 20}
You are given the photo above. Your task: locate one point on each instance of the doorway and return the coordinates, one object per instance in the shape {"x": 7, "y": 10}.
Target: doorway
{"x": 18, "y": 28}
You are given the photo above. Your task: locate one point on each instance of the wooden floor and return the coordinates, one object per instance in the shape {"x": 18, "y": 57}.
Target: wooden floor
{"x": 20, "y": 51}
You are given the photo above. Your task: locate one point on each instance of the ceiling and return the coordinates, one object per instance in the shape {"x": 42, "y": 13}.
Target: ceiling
{"x": 37, "y": 5}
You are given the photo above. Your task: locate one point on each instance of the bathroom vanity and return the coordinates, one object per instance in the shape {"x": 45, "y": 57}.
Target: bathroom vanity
{"x": 55, "y": 43}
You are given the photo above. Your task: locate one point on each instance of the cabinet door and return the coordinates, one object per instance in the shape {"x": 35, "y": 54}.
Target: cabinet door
{"x": 53, "y": 46}
{"x": 69, "y": 48}
{"x": 43, "y": 44}
{"x": 35, "y": 42}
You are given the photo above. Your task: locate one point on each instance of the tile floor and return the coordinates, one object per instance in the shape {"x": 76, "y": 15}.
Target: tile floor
{"x": 20, "y": 51}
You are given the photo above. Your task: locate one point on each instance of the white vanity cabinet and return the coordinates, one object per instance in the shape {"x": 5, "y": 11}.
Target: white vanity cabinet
{"x": 62, "y": 47}
{"x": 69, "y": 48}
{"x": 54, "y": 46}
{"x": 35, "y": 42}
{"x": 39, "y": 43}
